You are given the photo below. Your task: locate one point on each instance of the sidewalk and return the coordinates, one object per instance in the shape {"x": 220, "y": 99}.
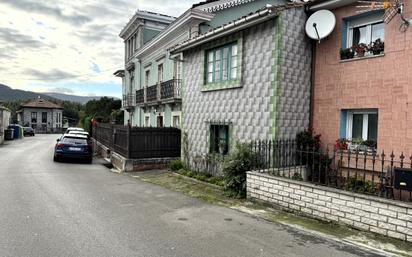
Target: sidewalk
{"x": 215, "y": 195}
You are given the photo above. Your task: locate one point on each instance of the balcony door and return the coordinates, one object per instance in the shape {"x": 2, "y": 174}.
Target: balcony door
{"x": 160, "y": 73}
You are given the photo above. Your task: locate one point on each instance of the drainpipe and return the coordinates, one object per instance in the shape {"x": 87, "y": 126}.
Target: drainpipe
{"x": 312, "y": 83}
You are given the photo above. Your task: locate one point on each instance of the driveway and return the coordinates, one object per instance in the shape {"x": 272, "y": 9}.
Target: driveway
{"x": 69, "y": 209}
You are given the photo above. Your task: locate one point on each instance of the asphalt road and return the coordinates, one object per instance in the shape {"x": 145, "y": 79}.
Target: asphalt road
{"x": 69, "y": 209}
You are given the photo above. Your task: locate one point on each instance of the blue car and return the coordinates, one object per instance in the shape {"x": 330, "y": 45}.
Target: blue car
{"x": 73, "y": 147}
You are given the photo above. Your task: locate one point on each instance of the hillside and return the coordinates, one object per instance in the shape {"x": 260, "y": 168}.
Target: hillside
{"x": 73, "y": 98}
{"x": 8, "y": 94}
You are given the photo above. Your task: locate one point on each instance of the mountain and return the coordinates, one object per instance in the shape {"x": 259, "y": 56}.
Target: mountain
{"x": 8, "y": 94}
{"x": 73, "y": 98}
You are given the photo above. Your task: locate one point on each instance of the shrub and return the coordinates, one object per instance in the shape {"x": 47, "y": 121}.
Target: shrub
{"x": 176, "y": 165}
{"x": 234, "y": 170}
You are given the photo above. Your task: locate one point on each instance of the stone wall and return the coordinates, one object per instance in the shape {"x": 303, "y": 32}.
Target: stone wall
{"x": 377, "y": 215}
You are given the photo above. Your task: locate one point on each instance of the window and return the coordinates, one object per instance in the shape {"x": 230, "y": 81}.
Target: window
{"x": 363, "y": 29}
{"x": 219, "y": 139}
{"x": 366, "y": 34}
{"x": 362, "y": 125}
{"x": 176, "y": 121}
{"x": 146, "y": 78}
{"x": 147, "y": 121}
{"x": 44, "y": 117}
{"x": 177, "y": 69}
{"x": 160, "y": 73}
{"x": 222, "y": 63}
{"x": 34, "y": 117}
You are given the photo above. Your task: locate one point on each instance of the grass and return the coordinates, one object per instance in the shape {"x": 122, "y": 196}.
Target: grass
{"x": 215, "y": 195}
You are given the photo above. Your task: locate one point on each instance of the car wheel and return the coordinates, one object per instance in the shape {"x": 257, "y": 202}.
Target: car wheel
{"x": 56, "y": 159}
{"x": 89, "y": 160}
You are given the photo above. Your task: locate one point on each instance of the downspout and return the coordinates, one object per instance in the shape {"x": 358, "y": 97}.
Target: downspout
{"x": 312, "y": 84}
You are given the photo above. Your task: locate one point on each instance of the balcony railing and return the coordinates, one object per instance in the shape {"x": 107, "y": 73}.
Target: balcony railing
{"x": 164, "y": 92}
{"x": 128, "y": 100}
{"x": 152, "y": 93}
{"x": 170, "y": 89}
{"x": 140, "y": 96}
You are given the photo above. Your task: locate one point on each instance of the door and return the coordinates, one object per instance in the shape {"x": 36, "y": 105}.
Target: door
{"x": 159, "y": 121}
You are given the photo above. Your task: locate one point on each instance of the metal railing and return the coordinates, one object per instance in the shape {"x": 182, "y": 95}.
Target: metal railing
{"x": 140, "y": 96}
{"x": 380, "y": 174}
{"x": 128, "y": 100}
{"x": 152, "y": 93}
{"x": 170, "y": 89}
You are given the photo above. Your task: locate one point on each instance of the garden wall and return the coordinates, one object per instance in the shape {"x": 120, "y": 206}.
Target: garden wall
{"x": 369, "y": 213}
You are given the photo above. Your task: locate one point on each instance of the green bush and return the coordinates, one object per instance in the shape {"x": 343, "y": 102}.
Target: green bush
{"x": 176, "y": 165}
{"x": 234, "y": 170}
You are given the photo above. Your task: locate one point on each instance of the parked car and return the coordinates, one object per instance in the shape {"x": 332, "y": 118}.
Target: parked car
{"x": 76, "y": 132}
{"x": 28, "y": 131}
{"x": 72, "y": 146}
{"x": 73, "y": 129}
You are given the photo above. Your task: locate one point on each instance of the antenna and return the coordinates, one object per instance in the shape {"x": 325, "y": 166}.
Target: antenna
{"x": 320, "y": 25}
{"x": 391, "y": 7}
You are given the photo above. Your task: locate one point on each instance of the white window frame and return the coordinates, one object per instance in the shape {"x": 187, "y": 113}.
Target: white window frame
{"x": 349, "y": 123}
{"x": 367, "y": 21}
{"x": 147, "y": 115}
{"x": 176, "y": 114}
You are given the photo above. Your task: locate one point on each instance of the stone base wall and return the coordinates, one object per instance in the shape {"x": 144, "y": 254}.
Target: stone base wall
{"x": 369, "y": 213}
{"x": 128, "y": 165}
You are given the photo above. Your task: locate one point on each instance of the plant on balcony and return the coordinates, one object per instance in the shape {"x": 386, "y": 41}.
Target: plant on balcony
{"x": 341, "y": 144}
{"x": 346, "y": 53}
{"x": 377, "y": 47}
{"x": 360, "y": 49}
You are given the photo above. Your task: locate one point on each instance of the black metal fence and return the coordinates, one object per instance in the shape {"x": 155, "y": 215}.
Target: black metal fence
{"x": 138, "y": 143}
{"x": 381, "y": 174}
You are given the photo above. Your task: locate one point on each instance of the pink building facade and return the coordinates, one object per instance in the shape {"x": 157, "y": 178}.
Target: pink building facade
{"x": 366, "y": 97}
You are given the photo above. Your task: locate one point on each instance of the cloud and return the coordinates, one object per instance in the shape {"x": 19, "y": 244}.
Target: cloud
{"x": 12, "y": 37}
{"x": 69, "y": 43}
{"x": 52, "y": 75}
{"x": 48, "y": 9}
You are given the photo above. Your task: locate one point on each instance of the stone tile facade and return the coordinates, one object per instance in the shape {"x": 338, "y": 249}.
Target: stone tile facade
{"x": 272, "y": 97}
{"x": 377, "y": 215}
{"x": 382, "y": 82}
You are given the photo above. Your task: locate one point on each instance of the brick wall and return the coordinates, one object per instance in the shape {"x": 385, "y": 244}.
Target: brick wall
{"x": 382, "y": 83}
{"x": 378, "y": 215}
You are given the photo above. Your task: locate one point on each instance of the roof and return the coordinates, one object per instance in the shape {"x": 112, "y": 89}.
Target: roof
{"x": 41, "y": 103}
{"x": 235, "y": 25}
{"x": 146, "y": 15}
{"x": 218, "y": 5}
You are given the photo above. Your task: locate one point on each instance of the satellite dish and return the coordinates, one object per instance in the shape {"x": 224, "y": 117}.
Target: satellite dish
{"x": 320, "y": 24}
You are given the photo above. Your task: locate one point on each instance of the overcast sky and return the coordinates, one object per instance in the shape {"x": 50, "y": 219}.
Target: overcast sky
{"x": 69, "y": 46}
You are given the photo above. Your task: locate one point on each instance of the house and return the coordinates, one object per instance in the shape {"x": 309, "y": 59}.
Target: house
{"x": 42, "y": 115}
{"x": 364, "y": 96}
{"x": 141, "y": 28}
{"x": 246, "y": 79}
{"x": 4, "y": 121}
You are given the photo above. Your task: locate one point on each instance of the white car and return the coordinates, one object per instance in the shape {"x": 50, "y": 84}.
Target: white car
{"x": 73, "y": 129}
{"x": 76, "y": 132}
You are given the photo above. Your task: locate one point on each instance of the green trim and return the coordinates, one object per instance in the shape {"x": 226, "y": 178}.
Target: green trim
{"x": 230, "y": 83}
{"x": 277, "y": 49}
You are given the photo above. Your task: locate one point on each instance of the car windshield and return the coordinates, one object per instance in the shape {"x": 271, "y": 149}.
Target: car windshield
{"x": 74, "y": 141}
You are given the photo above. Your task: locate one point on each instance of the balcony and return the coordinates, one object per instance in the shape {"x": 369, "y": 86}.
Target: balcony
{"x": 128, "y": 101}
{"x": 170, "y": 90}
{"x": 165, "y": 92}
{"x": 140, "y": 96}
{"x": 152, "y": 93}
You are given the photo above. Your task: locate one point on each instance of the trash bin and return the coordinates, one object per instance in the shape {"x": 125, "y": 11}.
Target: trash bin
{"x": 17, "y": 133}
{"x": 8, "y": 134}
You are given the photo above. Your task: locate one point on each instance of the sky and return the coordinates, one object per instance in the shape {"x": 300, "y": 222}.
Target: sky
{"x": 69, "y": 46}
